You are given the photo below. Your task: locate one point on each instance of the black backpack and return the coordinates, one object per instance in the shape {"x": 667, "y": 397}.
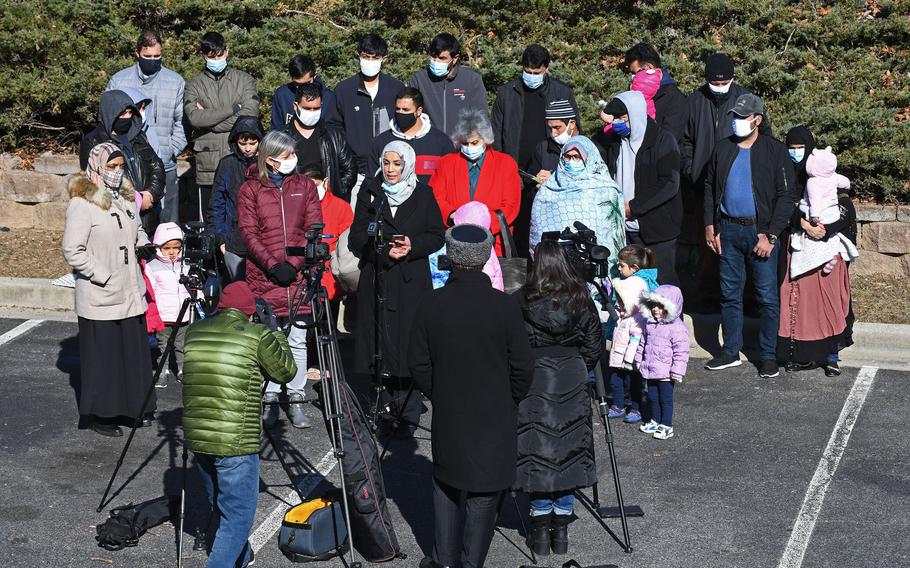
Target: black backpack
{"x": 126, "y": 524}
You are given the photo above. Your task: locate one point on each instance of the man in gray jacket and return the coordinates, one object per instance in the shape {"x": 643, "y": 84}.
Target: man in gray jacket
{"x": 213, "y": 101}
{"x": 448, "y": 87}
{"x": 164, "y": 116}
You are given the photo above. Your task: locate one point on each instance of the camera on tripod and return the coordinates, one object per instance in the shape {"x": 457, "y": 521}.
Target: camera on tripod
{"x": 316, "y": 251}
{"x": 589, "y": 259}
{"x": 199, "y": 246}
{"x": 198, "y": 243}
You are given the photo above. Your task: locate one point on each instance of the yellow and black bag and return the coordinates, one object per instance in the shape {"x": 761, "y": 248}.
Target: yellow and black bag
{"x": 313, "y": 531}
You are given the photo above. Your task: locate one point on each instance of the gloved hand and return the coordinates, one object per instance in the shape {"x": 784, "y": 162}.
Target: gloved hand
{"x": 265, "y": 315}
{"x": 146, "y": 252}
{"x": 283, "y": 274}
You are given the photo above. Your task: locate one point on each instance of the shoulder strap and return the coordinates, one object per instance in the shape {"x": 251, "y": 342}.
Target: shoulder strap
{"x": 508, "y": 243}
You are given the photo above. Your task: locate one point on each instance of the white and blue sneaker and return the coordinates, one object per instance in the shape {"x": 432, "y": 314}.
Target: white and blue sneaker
{"x": 663, "y": 432}
{"x": 649, "y": 427}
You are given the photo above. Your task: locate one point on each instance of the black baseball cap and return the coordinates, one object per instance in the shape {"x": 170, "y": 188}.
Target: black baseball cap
{"x": 747, "y": 104}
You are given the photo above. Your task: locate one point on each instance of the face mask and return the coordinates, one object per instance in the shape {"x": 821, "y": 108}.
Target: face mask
{"x": 321, "y": 189}
{"x": 532, "y": 81}
{"x": 438, "y": 68}
{"x": 473, "y": 152}
{"x": 621, "y": 128}
{"x": 394, "y": 188}
{"x": 561, "y": 139}
{"x": 573, "y": 166}
{"x": 112, "y": 179}
{"x": 720, "y": 90}
{"x": 797, "y": 154}
{"x": 369, "y": 67}
{"x": 149, "y": 66}
{"x": 405, "y": 120}
{"x": 308, "y": 117}
{"x": 122, "y": 125}
{"x": 142, "y": 115}
{"x": 216, "y": 65}
{"x": 286, "y": 167}
{"x": 742, "y": 127}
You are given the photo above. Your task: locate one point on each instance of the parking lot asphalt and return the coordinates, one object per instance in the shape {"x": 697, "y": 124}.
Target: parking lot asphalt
{"x": 724, "y": 492}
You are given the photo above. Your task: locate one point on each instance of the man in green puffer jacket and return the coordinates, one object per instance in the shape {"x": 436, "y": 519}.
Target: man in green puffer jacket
{"x": 227, "y": 358}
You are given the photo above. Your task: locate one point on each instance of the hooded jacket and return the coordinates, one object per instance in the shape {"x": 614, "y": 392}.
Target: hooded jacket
{"x": 336, "y": 156}
{"x": 338, "y": 217}
{"x": 143, "y": 166}
{"x": 229, "y": 176}
{"x": 509, "y": 108}
{"x": 671, "y": 110}
{"x": 139, "y": 97}
{"x": 219, "y": 95}
{"x": 664, "y": 349}
{"x": 429, "y": 144}
{"x": 165, "y": 115}
{"x": 227, "y": 358}
{"x": 444, "y": 98}
{"x": 164, "y": 275}
{"x": 647, "y": 82}
{"x": 630, "y": 327}
{"x": 655, "y": 202}
{"x": 283, "y": 103}
{"x": 823, "y": 184}
{"x": 272, "y": 218}
{"x": 801, "y": 135}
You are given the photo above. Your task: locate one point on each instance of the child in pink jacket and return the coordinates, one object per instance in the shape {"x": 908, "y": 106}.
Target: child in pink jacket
{"x": 663, "y": 355}
{"x": 819, "y": 203}
{"x": 475, "y": 213}
{"x": 624, "y": 380}
{"x": 646, "y": 82}
{"x": 164, "y": 273}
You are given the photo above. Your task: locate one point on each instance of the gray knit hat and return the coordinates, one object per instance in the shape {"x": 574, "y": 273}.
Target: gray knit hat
{"x": 561, "y": 109}
{"x": 469, "y": 245}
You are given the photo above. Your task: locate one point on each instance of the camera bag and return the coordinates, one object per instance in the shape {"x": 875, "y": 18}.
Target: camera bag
{"x": 313, "y": 531}
{"x": 514, "y": 269}
{"x": 126, "y": 524}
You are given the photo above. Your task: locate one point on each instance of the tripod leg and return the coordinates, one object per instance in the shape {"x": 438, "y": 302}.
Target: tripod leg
{"x": 182, "y": 509}
{"x": 148, "y": 396}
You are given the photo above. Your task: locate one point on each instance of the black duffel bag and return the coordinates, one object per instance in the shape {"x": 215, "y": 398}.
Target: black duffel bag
{"x": 126, "y": 524}
{"x": 514, "y": 269}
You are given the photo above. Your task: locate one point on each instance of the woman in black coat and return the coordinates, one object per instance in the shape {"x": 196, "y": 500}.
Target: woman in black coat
{"x": 555, "y": 437}
{"x": 411, "y": 229}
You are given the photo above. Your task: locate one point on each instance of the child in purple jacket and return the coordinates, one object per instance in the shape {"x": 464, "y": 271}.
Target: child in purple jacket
{"x": 663, "y": 355}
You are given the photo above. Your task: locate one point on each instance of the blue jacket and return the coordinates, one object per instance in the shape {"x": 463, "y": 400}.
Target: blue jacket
{"x": 283, "y": 104}
{"x": 229, "y": 176}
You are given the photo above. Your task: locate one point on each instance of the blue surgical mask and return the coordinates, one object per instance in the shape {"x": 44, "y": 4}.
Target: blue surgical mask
{"x": 621, "y": 128}
{"x": 573, "y": 166}
{"x": 532, "y": 81}
{"x": 394, "y": 188}
{"x": 797, "y": 154}
{"x": 472, "y": 152}
{"x": 438, "y": 68}
{"x": 216, "y": 65}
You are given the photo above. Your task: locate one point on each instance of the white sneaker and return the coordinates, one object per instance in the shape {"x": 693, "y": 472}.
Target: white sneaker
{"x": 663, "y": 432}
{"x": 650, "y": 427}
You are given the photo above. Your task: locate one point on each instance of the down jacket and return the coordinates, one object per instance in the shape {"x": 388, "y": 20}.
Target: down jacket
{"x": 272, "y": 218}
{"x": 164, "y": 276}
{"x": 630, "y": 327}
{"x": 664, "y": 349}
{"x": 227, "y": 358}
{"x": 555, "y": 446}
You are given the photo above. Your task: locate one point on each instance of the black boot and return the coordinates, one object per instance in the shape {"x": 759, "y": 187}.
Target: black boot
{"x": 559, "y": 536}
{"x": 539, "y": 534}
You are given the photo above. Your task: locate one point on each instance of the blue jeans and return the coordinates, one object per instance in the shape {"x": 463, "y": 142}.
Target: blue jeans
{"x": 660, "y": 393}
{"x": 561, "y": 503}
{"x": 623, "y": 381}
{"x": 737, "y": 242}
{"x": 232, "y": 485}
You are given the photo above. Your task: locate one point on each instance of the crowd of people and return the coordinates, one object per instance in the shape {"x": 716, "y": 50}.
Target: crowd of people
{"x": 689, "y": 194}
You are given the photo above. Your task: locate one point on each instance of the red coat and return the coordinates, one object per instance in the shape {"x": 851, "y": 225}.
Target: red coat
{"x": 337, "y": 216}
{"x": 153, "y": 321}
{"x": 498, "y": 187}
{"x": 259, "y": 215}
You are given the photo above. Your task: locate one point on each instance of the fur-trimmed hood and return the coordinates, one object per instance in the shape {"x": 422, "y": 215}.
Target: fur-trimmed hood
{"x": 670, "y": 297}
{"x": 80, "y": 186}
{"x": 630, "y": 290}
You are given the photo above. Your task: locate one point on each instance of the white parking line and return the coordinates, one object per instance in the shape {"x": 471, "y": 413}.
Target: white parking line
{"x": 20, "y": 329}
{"x": 824, "y": 473}
{"x": 270, "y": 525}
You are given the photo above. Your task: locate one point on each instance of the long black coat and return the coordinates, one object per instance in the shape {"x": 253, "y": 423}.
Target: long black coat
{"x": 470, "y": 356}
{"x": 555, "y": 436}
{"x": 404, "y": 282}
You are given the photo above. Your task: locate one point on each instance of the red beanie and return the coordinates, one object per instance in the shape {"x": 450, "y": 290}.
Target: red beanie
{"x": 238, "y": 295}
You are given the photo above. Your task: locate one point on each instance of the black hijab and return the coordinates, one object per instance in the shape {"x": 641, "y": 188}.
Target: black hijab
{"x": 801, "y": 135}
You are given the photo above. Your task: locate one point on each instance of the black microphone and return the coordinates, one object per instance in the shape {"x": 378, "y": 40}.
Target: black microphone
{"x": 581, "y": 227}
{"x": 373, "y": 226}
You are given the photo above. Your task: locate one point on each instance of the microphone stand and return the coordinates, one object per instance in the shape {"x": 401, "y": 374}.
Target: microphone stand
{"x": 380, "y": 374}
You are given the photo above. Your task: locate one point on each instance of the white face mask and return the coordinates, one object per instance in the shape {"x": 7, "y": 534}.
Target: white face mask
{"x": 321, "y": 189}
{"x": 142, "y": 114}
{"x": 561, "y": 139}
{"x": 370, "y": 67}
{"x": 288, "y": 166}
{"x": 308, "y": 117}
{"x": 743, "y": 127}
{"x": 722, "y": 90}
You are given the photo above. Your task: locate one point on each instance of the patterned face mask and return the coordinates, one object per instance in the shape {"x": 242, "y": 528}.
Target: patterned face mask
{"x": 112, "y": 179}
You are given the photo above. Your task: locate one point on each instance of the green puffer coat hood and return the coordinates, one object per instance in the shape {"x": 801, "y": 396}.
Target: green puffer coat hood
{"x": 226, "y": 359}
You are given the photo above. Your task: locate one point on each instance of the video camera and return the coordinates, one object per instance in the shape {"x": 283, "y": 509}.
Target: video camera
{"x": 199, "y": 246}
{"x": 315, "y": 251}
{"x": 198, "y": 243}
{"x": 589, "y": 259}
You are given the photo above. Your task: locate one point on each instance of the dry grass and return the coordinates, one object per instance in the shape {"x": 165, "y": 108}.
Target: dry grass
{"x": 882, "y": 299}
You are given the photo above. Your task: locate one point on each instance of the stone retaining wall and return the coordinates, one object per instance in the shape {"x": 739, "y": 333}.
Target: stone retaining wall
{"x": 37, "y": 198}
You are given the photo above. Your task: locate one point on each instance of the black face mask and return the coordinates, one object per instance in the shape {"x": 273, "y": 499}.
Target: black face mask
{"x": 405, "y": 120}
{"x": 149, "y": 66}
{"x": 122, "y": 125}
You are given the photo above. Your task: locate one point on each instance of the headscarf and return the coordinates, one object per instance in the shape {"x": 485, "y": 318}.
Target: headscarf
{"x": 400, "y": 192}
{"x": 595, "y": 174}
{"x": 625, "y": 163}
{"x": 96, "y": 171}
{"x": 801, "y": 135}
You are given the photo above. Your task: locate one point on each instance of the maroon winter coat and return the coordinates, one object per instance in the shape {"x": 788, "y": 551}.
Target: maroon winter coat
{"x": 272, "y": 218}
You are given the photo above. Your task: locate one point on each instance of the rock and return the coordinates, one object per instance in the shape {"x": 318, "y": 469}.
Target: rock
{"x": 890, "y": 237}
{"x": 51, "y": 216}
{"x": 870, "y": 263}
{"x": 9, "y": 161}
{"x": 16, "y": 215}
{"x": 32, "y": 187}
{"x": 872, "y": 212}
{"x": 59, "y": 164}
{"x": 903, "y": 213}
